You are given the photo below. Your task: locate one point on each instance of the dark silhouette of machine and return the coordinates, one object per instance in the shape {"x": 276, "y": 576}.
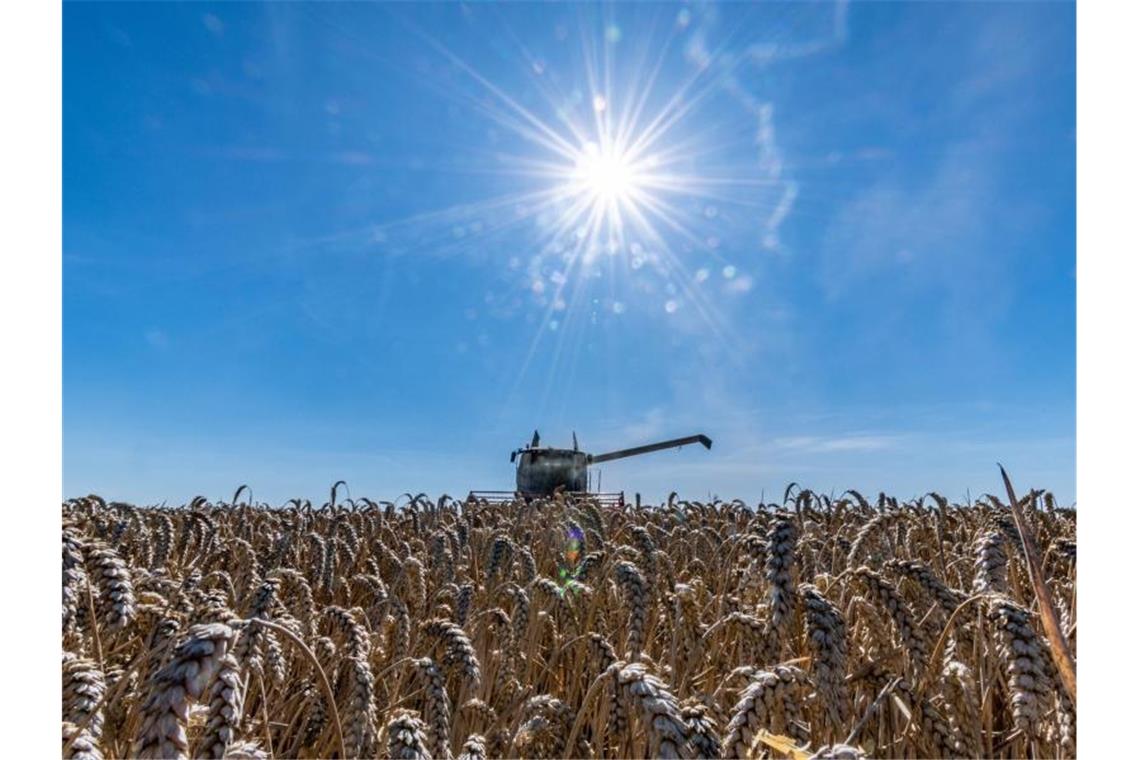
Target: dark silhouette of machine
{"x": 543, "y": 470}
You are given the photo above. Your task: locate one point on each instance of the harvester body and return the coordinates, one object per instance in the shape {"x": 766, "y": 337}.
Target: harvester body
{"x": 542, "y": 470}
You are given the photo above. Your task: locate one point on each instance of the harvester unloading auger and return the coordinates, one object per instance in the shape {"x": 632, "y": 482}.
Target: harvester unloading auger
{"x": 543, "y": 470}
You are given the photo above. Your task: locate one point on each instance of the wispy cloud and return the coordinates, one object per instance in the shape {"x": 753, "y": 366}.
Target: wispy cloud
{"x": 351, "y": 158}
{"x": 266, "y": 154}
{"x": 764, "y": 52}
{"x": 840, "y": 442}
{"x": 761, "y": 53}
{"x": 118, "y": 35}
{"x": 650, "y": 426}
{"x": 932, "y": 226}
{"x": 157, "y": 339}
{"x": 213, "y": 24}
{"x": 252, "y": 153}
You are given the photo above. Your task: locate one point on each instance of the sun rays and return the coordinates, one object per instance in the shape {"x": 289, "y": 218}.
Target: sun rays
{"x": 621, "y": 174}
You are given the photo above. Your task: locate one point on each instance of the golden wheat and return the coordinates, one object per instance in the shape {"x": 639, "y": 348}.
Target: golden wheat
{"x": 832, "y": 628}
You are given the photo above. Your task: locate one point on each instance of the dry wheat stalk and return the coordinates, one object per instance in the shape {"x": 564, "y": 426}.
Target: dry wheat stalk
{"x": 1030, "y": 687}
{"x": 634, "y": 587}
{"x": 79, "y": 745}
{"x": 83, "y": 692}
{"x": 704, "y": 738}
{"x": 166, "y": 710}
{"x": 769, "y": 702}
{"x": 225, "y": 710}
{"x": 475, "y": 748}
{"x": 649, "y": 697}
{"x": 827, "y": 641}
{"x": 704, "y": 597}
{"x": 437, "y": 707}
{"x": 406, "y": 739}
{"x": 991, "y": 573}
{"x": 116, "y": 595}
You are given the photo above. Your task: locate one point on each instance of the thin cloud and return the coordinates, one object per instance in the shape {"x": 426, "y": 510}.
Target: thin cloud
{"x": 213, "y": 24}
{"x": 251, "y": 153}
{"x": 936, "y": 225}
{"x": 837, "y": 443}
{"x": 351, "y": 158}
{"x": 118, "y": 36}
{"x": 761, "y": 53}
{"x": 764, "y": 53}
{"x": 157, "y": 339}
{"x": 651, "y": 425}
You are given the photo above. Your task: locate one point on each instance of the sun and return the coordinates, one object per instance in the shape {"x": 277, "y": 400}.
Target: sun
{"x": 606, "y": 174}
{"x": 608, "y": 186}
{"x": 618, "y": 172}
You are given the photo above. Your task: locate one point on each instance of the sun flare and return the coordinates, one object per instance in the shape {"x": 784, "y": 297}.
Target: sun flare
{"x": 606, "y": 174}
{"x": 624, "y": 184}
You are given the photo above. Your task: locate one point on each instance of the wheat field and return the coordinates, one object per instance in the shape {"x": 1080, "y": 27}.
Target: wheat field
{"x": 819, "y": 627}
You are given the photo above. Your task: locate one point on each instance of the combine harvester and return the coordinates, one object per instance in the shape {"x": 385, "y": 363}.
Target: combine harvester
{"x": 542, "y": 471}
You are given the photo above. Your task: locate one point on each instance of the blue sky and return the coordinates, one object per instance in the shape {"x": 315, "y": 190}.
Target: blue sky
{"x": 305, "y": 243}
